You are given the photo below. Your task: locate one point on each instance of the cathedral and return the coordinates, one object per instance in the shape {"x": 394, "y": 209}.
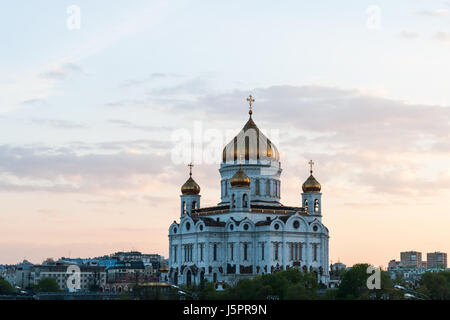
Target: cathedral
{"x": 249, "y": 232}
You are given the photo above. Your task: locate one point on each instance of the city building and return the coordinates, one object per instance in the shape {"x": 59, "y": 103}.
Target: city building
{"x": 3, "y": 272}
{"x": 393, "y": 264}
{"x": 411, "y": 259}
{"x": 250, "y": 231}
{"x": 130, "y": 271}
{"x": 23, "y": 274}
{"x": 411, "y": 267}
{"x": 338, "y": 266}
{"x": 88, "y": 276}
{"x": 437, "y": 260}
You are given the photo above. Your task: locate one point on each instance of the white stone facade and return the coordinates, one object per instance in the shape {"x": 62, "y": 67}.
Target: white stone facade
{"x": 249, "y": 232}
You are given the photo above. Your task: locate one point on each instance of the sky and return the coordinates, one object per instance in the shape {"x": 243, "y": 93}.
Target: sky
{"x": 99, "y": 99}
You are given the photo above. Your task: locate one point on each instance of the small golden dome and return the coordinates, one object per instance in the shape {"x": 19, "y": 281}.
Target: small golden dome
{"x": 164, "y": 268}
{"x": 190, "y": 187}
{"x": 240, "y": 179}
{"x": 311, "y": 185}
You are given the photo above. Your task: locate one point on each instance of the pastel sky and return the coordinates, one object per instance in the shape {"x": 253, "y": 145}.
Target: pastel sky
{"x": 90, "y": 117}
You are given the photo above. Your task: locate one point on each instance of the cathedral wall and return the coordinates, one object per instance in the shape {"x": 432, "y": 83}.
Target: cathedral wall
{"x": 265, "y": 185}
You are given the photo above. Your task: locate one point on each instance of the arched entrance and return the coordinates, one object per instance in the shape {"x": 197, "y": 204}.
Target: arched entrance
{"x": 202, "y": 276}
{"x": 188, "y": 278}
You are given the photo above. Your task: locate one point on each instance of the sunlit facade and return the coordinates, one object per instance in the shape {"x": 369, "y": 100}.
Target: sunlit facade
{"x": 249, "y": 232}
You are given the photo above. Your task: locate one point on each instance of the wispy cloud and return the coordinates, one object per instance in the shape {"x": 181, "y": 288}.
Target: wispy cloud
{"x": 153, "y": 77}
{"x": 434, "y": 13}
{"x": 33, "y": 101}
{"x": 442, "y": 36}
{"x": 42, "y": 168}
{"x": 62, "y": 72}
{"x": 408, "y": 34}
{"x": 131, "y": 125}
{"x": 58, "y": 123}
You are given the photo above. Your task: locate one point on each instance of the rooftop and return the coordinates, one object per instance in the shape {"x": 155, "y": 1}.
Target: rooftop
{"x": 255, "y": 208}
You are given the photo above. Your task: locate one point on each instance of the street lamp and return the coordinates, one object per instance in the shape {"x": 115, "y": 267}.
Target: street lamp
{"x": 411, "y": 294}
{"x": 183, "y": 293}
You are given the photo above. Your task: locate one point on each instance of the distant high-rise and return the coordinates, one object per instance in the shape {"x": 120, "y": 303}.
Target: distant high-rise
{"x": 437, "y": 260}
{"x": 412, "y": 259}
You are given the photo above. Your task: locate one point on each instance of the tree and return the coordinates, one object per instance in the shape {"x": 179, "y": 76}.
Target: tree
{"x": 208, "y": 292}
{"x": 94, "y": 287}
{"x": 124, "y": 296}
{"x": 436, "y": 285}
{"x": 290, "y": 284}
{"x": 5, "y": 287}
{"x": 354, "y": 285}
{"x": 331, "y": 294}
{"x": 47, "y": 285}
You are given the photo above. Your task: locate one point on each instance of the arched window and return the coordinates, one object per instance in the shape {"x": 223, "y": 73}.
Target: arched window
{"x": 226, "y": 187}
{"x": 275, "y": 184}
{"x": 275, "y": 245}
{"x": 316, "y": 205}
{"x": 315, "y": 245}
{"x": 215, "y": 252}
{"x": 202, "y": 276}
{"x": 306, "y": 204}
{"x": 267, "y": 187}
{"x": 257, "y": 187}
{"x": 235, "y": 149}
{"x": 233, "y": 201}
{"x": 244, "y": 201}
{"x": 247, "y": 147}
{"x": 245, "y": 251}
{"x": 184, "y": 207}
{"x": 194, "y": 204}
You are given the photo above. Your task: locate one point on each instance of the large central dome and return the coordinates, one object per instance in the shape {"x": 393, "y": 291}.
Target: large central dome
{"x": 250, "y": 145}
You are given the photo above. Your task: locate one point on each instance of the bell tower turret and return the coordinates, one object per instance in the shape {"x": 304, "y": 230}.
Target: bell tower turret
{"x": 311, "y": 196}
{"x": 190, "y": 194}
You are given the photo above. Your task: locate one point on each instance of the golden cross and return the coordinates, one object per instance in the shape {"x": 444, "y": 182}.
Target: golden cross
{"x": 190, "y": 165}
{"x": 311, "y": 163}
{"x": 250, "y": 102}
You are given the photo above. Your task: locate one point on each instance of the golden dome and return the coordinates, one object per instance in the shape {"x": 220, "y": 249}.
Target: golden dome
{"x": 240, "y": 179}
{"x": 251, "y": 144}
{"x": 190, "y": 187}
{"x": 311, "y": 185}
{"x": 164, "y": 268}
